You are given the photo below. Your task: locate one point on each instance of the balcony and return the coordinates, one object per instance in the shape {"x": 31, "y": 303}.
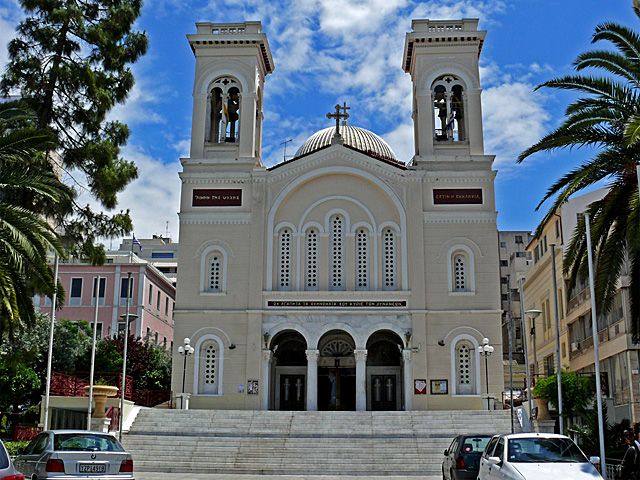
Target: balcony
{"x": 578, "y": 299}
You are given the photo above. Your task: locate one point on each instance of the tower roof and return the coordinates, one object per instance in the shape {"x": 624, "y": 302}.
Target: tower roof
{"x": 438, "y": 33}
{"x": 357, "y": 138}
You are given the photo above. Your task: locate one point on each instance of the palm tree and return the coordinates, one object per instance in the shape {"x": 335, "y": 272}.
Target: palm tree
{"x": 27, "y": 181}
{"x": 607, "y": 117}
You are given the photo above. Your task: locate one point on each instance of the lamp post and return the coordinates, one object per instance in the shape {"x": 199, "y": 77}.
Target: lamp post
{"x": 128, "y": 318}
{"x": 532, "y": 314}
{"x": 596, "y": 354}
{"x": 52, "y": 327}
{"x": 93, "y": 350}
{"x": 185, "y": 351}
{"x": 486, "y": 350}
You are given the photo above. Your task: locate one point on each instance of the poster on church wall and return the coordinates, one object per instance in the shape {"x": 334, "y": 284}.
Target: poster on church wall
{"x": 217, "y": 197}
{"x": 252, "y": 387}
{"x": 420, "y": 386}
{"x": 440, "y": 387}
{"x": 457, "y": 196}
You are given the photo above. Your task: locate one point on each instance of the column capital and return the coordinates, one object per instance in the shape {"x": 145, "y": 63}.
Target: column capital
{"x": 267, "y": 355}
{"x": 406, "y": 354}
{"x": 312, "y": 355}
{"x": 361, "y": 355}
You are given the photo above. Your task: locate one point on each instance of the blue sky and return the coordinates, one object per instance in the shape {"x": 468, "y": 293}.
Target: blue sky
{"x": 346, "y": 50}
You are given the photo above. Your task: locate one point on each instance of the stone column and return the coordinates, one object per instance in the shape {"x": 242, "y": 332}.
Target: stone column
{"x": 266, "y": 374}
{"x": 407, "y": 373}
{"x": 361, "y": 379}
{"x": 312, "y": 379}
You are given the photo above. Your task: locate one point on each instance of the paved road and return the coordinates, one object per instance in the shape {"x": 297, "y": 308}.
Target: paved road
{"x": 192, "y": 476}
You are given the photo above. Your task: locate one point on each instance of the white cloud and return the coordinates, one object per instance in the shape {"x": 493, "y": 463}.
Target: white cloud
{"x": 10, "y": 16}
{"x": 514, "y": 119}
{"x": 138, "y": 107}
{"x": 153, "y": 198}
{"x": 401, "y": 141}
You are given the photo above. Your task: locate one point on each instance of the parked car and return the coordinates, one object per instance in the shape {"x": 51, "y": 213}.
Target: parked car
{"x": 7, "y": 470}
{"x": 72, "y": 454}
{"x": 533, "y": 456}
{"x": 462, "y": 458}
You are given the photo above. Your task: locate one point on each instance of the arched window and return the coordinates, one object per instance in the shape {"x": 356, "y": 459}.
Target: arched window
{"x": 336, "y": 253}
{"x": 213, "y": 270}
{"x": 209, "y": 356}
{"x": 362, "y": 259}
{"x": 465, "y": 368}
{"x": 389, "y": 259}
{"x": 224, "y": 111}
{"x": 284, "y": 259}
{"x": 311, "y": 260}
{"x": 447, "y": 93}
{"x": 459, "y": 272}
{"x": 215, "y": 278}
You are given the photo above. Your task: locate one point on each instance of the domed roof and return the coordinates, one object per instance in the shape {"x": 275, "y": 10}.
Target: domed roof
{"x": 355, "y": 137}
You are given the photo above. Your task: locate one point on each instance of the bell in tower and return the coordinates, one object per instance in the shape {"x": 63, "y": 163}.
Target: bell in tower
{"x": 442, "y": 59}
{"x": 232, "y": 61}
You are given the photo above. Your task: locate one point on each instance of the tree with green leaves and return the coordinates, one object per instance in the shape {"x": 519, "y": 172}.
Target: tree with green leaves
{"x": 71, "y": 60}
{"x": 606, "y": 117}
{"x": 26, "y": 187}
{"x": 578, "y": 392}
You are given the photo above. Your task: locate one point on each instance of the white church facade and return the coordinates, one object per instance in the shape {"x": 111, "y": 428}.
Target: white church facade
{"x": 344, "y": 278}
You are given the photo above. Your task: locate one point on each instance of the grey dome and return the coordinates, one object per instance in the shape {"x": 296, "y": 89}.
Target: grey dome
{"x": 355, "y": 137}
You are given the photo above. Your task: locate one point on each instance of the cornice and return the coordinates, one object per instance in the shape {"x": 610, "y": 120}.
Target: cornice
{"x": 359, "y": 159}
{"x": 230, "y": 218}
{"x": 459, "y": 217}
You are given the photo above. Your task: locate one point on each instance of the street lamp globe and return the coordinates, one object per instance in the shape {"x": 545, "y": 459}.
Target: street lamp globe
{"x": 534, "y": 313}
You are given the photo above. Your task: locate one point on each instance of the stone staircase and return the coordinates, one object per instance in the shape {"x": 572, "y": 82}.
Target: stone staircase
{"x": 301, "y": 443}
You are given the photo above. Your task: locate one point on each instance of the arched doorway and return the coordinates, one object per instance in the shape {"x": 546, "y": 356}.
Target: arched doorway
{"x": 336, "y": 372}
{"x": 289, "y": 371}
{"x": 384, "y": 371}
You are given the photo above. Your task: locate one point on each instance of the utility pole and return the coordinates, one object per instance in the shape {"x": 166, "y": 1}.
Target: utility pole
{"x": 510, "y": 329}
{"x": 558, "y": 359}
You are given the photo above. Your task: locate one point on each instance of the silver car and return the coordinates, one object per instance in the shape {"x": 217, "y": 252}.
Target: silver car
{"x": 75, "y": 454}
{"x": 7, "y": 470}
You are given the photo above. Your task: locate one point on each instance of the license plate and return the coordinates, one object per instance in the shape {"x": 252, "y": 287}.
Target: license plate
{"x": 92, "y": 468}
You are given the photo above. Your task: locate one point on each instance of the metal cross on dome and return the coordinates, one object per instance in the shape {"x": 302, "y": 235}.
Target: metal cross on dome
{"x": 338, "y": 115}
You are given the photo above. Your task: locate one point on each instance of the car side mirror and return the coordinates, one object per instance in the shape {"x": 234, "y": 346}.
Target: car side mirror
{"x": 594, "y": 460}
{"x": 446, "y": 452}
{"x": 494, "y": 460}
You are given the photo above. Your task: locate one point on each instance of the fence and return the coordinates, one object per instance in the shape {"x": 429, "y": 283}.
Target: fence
{"x": 64, "y": 385}
{"x": 23, "y": 433}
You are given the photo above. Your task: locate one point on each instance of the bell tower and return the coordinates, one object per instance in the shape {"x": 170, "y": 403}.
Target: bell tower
{"x": 232, "y": 61}
{"x": 442, "y": 58}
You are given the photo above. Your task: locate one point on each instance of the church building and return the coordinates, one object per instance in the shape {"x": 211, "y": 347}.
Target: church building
{"x": 344, "y": 278}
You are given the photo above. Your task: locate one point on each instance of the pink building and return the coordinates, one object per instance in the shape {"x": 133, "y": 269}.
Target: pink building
{"x": 152, "y": 298}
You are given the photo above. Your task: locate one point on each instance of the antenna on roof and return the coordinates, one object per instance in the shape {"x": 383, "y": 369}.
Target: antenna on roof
{"x": 166, "y": 230}
{"x": 284, "y": 150}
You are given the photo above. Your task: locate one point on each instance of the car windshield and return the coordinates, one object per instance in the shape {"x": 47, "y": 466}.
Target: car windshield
{"x": 474, "y": 444}
{"x": 544, "y": 450}
{"x": 67, "y": 442}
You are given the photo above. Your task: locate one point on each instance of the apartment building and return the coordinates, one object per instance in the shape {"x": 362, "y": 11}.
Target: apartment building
{"x": 160, "y": 251}
{"x": 152, "y": 296}
{"x": 619, "y": 355}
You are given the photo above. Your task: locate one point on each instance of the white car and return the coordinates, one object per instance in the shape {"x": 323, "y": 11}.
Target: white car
{"x": 533, "y": 456}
